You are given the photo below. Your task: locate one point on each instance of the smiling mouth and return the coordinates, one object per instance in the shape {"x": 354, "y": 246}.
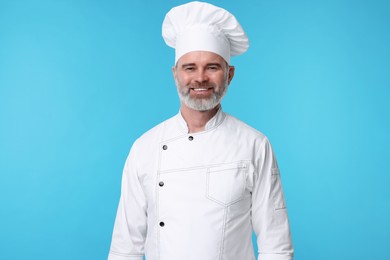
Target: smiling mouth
{"x": 200, "y": 89}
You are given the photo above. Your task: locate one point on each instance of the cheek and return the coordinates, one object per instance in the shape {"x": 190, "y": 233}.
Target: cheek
{"x": 181, "y": 83}
{"x": 180, "y": 77}
{"x": 184, "y": 81}
{"x": 221, "y": 80}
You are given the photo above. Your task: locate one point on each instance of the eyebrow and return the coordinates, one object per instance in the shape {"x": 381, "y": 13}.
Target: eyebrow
{"x": 188, "y": 65}
{"x": 214, "y": 64}
{"x": 208, "y": 64}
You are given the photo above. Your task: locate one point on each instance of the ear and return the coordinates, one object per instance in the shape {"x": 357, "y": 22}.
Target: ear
{"x": 174, "y": 72}
{"x": 231, "y": 73}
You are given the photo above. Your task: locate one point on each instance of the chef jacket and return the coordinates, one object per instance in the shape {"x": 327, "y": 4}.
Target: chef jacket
{"x": 198, "y": 196}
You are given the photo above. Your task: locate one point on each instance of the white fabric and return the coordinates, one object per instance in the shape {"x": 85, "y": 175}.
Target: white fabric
{"x": 218, "y": 186}
{"x": 198, "y": 26}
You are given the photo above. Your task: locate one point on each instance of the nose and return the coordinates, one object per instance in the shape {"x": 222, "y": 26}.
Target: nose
{"x": 201, "y": 76}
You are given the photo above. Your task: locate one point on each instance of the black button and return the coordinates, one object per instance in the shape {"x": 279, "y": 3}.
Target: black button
{"x": 161, "y": 183}
{"x": 190, "y": 138}
{"x": 162, "y": 224}
{"x": 165, "y": 147}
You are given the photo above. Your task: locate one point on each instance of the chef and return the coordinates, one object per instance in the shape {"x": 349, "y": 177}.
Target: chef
{"x": 195, "y": 186}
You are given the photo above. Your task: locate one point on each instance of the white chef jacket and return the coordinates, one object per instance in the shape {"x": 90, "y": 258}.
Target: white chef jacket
{"x": 198, "y": 196}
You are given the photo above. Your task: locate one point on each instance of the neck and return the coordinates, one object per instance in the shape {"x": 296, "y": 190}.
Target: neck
{"x": 197, "y": 120}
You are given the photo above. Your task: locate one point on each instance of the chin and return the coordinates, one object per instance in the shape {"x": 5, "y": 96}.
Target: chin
{"x": 201, "y": 105}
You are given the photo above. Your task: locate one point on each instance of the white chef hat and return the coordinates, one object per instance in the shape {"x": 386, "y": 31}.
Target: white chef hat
{"x": 198, "y": 26}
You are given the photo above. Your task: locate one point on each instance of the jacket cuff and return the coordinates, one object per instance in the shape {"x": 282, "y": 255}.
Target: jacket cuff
{"x": 116, "y": 256}
{"x": 274, "y": 257}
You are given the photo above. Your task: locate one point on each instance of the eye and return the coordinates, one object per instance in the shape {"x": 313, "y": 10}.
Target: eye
{"x": 213, "y": 68}
{"x": 189, "y": 69}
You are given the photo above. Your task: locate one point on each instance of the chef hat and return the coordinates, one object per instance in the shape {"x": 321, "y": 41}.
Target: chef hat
{"x": 198, "y": 26}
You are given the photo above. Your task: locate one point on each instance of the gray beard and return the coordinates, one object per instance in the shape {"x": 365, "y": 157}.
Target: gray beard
{"x": 201, "y": 104}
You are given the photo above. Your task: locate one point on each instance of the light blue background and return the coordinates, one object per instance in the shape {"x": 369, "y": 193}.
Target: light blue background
{"x": 81, "y": 80}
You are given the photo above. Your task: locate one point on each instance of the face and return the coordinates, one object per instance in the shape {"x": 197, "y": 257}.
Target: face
{"x": 202, "y": 79}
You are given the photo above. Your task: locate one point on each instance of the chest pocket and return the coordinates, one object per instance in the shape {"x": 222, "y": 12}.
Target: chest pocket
{"x": 226, "y": 183}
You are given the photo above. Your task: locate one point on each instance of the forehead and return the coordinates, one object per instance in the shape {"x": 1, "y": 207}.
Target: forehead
{"x": 200, "y": 58}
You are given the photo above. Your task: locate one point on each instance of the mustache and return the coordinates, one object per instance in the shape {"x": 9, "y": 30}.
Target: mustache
{"x": 201, "y": 85}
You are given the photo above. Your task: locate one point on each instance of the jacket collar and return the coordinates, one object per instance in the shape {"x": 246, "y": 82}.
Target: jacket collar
{"x": 215, "y": 121}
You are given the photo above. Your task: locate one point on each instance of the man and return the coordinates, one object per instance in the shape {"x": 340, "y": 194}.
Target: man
{"x": 195, "y": 186}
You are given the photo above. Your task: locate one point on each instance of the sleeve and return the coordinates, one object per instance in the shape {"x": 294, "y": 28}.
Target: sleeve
{"x": 269, "y": 213}
{"x": 130, "y": 226}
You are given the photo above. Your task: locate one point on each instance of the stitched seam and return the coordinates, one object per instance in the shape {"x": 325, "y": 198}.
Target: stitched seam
{"x": 183, "y": 169}
{"x": 157, "y": 194}
{"x": 257, "y": 167}
{"x": 223, "y": 234}
{"x": 208, "y": 190}
{"x": 173, "y": 139}
{"x": 275, "y": 173}
{"x": 238, "y": 166}
{"x": 244, "y": 175}
{"x": 205, "y": 167}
